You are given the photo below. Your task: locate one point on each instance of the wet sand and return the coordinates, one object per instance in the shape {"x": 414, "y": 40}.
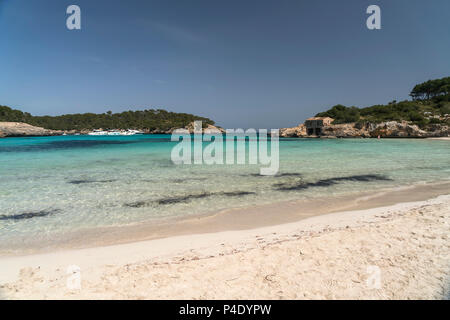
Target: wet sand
{"x": 225, "y": 220}
{"x": 399, "y": 251}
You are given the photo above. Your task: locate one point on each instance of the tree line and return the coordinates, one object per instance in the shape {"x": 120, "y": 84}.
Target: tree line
{"x": 431, "y": 99}
{"x": 151, "y": 119}
{"x": 431, "y": 89}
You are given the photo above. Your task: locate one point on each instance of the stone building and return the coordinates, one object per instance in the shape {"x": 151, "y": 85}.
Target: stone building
{"x": 314, "y": 125}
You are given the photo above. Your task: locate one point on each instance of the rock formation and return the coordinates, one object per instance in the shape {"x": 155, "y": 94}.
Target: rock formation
{"x": 398, "y": 130}
{"x": 209, "y": 129}
{"x": 390, "y": 129}
{"x": 345, "y": 130}
{"x": 20, "y": 129}
{"x": 295, "y": 132}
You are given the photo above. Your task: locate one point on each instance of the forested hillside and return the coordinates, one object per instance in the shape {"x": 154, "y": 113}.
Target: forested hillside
{"x": 430, "y": 105}
{"x": 145, "y": 119}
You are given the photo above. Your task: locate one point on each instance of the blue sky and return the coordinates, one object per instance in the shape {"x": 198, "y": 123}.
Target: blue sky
{"x": 247, "y": 63}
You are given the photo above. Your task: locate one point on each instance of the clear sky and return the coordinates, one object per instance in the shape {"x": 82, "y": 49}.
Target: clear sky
{"x": 243, "y": 63}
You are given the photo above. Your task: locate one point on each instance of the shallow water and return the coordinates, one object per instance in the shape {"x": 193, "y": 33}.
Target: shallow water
{"x": 50, "y": 185}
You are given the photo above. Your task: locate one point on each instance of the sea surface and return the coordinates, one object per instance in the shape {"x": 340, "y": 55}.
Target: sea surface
{"x": 52, "y": 185}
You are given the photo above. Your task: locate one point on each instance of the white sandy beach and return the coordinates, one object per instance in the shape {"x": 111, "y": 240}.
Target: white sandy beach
{"x": 440, "y": 138}
{"x": 396, "y": 252}
{"x": 226, "y": 151}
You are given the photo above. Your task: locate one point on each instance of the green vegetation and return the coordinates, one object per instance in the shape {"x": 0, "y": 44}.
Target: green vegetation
{"x": 431, "y": 89}
{"x": 146, "y": 119}
{"x": 430, "y": 105}
{"x": 342, "y": 114}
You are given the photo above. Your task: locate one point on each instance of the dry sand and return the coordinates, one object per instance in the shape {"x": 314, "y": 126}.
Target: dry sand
{"x": 440, "y": 138}
{"x": 396, "y": 252}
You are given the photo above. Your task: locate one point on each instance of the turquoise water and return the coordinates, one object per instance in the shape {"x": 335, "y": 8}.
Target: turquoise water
{"x": 50, "y": 185}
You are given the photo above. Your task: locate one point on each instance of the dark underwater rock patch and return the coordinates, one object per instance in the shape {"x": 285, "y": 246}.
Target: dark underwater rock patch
{"x": 82, "y": 143}
{"x": 289, "y": 174}
{"x": 164, "y": 163}
{"x": 329, "y": 182}
{"x": 68, "y": 144}
{"x": 279, "y": 175}
{"x": 237, "y": 193}
{"x": 187, "y": 180}
{"x": 183, "y": 198}
{"x": 186, "y": 198}
{"x": 164, "y": 201}
{"x": 202, "y": 195}
{"x": 89, "y": 181}
{"x": 138, "y": 204}
{"x": 29, "y": 215}
{"x": 71, "y": 144}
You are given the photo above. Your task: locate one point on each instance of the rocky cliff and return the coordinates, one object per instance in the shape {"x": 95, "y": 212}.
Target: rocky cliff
{"x": 298, "y": 131}
{"x": 209, "y": 129}
{"x": 391, "y": 129}
{"x": 20, "y": 129}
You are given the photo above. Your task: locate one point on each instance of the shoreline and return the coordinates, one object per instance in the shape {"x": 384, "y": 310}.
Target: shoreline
{"x": 230, "y": 219}
{"x": 408, "y": 241}
{"x": 440, "y": 138}
{"x": 444, "y": 138}
{"x": 307, "y": 137}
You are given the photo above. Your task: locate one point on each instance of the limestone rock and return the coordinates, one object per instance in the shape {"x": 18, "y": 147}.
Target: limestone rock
{"x": 209, "y": 129}
{"x": 298, "y": 131}
{"x": 394, "y": 129}
{"x": 345, "y": 130}
{"x": 389, "y": 129}
{"x": 20, "y": 129}
{"x": 438, "y": 130}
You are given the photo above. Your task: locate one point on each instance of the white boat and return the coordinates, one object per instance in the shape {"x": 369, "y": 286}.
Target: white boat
{"x": 114, "y": 133}
{"x": 98, "y": 133}
{"x": 126, "y": 133}
{"x": 134, "y": 131}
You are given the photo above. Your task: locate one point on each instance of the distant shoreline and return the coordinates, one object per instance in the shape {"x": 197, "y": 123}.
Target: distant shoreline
{"x": 306, "y": 137}
{"x": 390, "y": 129}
